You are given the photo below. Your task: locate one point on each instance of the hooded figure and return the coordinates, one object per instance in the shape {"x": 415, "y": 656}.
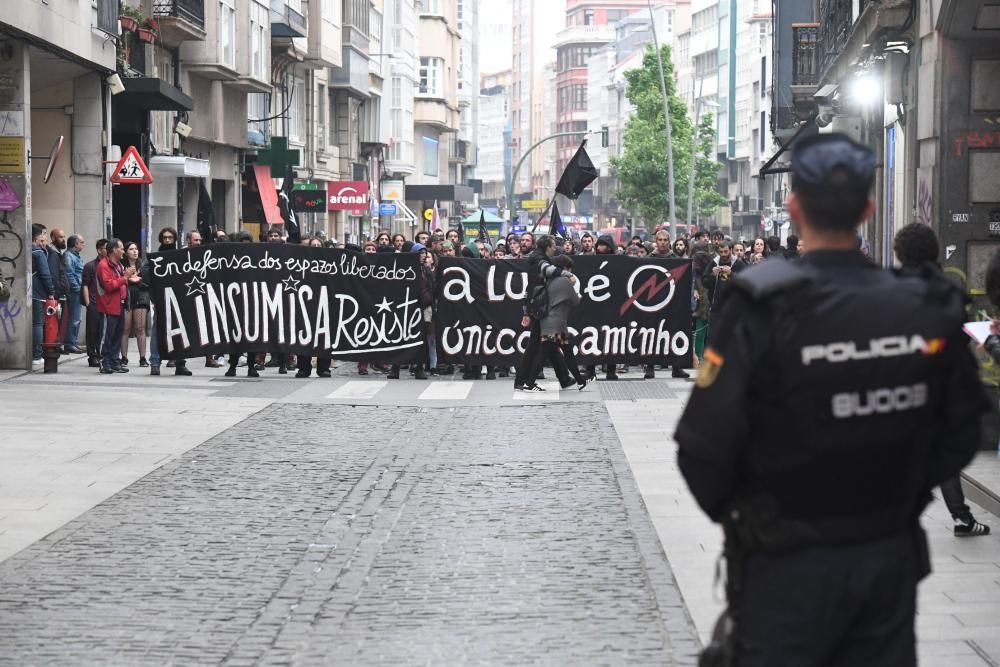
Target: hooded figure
{"x": 605, "y": 245}
{"x": 473, "y": 250}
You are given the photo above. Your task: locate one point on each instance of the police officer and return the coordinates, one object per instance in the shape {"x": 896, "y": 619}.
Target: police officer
{"x": 849, "y": 393}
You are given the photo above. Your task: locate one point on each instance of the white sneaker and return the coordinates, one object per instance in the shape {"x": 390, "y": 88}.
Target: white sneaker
{"x": 37, "y": 362}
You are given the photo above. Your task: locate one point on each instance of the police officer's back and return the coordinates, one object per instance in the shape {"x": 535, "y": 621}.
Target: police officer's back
{"x": 848, "y": 393}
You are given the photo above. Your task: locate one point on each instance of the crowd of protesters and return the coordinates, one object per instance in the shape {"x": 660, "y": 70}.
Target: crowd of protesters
{"x": 113, "y": 290}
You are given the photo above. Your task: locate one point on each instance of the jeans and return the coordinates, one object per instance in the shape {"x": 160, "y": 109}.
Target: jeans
{"x": 75, "y": 315}
{"x": 154, "y": 348}
{"x": 111, "y": 348}
{"x": 954, "y": 498}
{"x": 527, "y": 369}
{"x": 93, "y": 333}
{"x": 37, "y": 327}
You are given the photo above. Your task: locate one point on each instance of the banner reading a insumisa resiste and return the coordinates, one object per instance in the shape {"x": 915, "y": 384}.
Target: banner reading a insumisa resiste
{"x": 634, "y": 311}
{"x": 241, "y": 297}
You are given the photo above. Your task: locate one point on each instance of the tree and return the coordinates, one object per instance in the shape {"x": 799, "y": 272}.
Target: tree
{"x": 707, "y": 198}
{"x": 642, "y": 167}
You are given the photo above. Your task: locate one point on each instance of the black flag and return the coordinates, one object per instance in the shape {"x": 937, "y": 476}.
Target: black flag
{"x": 292, "y": 232}
{"x": 556, "y": 226}
{"x": 461, "y": 237}
{"x": 206, "y": 214}
{"x": 484, "y": 235}
{"x": 580, "y": 172}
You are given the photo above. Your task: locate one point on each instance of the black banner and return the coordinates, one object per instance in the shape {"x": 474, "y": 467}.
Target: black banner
{"x": 634, "y": 311}
{"x": 238, "y": 297}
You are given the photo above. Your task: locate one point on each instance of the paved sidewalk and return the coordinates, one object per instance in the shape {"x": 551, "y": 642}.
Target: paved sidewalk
{"x": 958, "y": 621}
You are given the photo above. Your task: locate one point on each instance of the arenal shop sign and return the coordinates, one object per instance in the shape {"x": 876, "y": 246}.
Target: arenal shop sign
{"x": 347, "y": 195}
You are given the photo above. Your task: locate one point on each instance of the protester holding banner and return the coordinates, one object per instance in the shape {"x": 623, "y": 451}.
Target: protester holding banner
{"x": 168, "y": 242}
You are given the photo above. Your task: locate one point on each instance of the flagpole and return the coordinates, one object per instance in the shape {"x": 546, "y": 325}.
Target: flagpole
{"x": 544, "y": 212}
{"x": 666, "y": 119}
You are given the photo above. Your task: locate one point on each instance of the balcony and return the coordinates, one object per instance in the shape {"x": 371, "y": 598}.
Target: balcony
{"x": 585, "y": 34}
{"x": 836, "y": 20}
{"x": 458, "y": 151}
{"x": 286, "y": 22}
{"x": 804, "y": 56}
{"x": 180, "y": 20}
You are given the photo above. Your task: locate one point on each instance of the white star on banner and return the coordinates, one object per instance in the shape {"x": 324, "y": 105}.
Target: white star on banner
{"x": 385, "y": 306}
{"x": 291, "y": 284}
{"x": 195, "y": 286}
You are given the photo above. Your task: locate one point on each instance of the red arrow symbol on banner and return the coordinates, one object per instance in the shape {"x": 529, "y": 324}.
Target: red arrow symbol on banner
{"x": 652, "y": 288}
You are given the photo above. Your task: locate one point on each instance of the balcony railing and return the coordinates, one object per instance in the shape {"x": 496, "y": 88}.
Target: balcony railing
{"x": 286, "y": 21}
{"x": 804, "y": 62}
{"x": 836, "y": 18}
{"x": 192, "y": 11}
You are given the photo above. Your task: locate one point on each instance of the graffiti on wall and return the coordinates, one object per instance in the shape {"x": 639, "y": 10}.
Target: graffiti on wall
{"x": 976, "y": 139}
{"x": 9, "y": 310}
{"x": 925, "y": 196}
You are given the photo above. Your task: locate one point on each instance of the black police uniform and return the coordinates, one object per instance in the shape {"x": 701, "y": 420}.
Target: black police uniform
{"x": 847, "y": 394}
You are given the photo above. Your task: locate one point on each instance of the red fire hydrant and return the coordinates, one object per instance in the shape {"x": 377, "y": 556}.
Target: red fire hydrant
{"x": 50, "y": 335}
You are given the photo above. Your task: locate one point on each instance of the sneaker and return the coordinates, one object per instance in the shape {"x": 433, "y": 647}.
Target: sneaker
{"x": 362, "y": 371}
{"x": 181, "y": 370}
{"x": 583, "y": 385}
{"x": 143, "y": 363}
{"x": 393, "y": 374}
{"x": 154, "y": 370}
{"x": 650, "y": 374}
{"x": 212, "y": 363}
{"x": 533, "y": 387}
{"x": 120, "y": 369}
{"x": 171, "y": 364}
{"x": 972, "y": 528}
{"x": 282, "y": 370}
{"x": 611, "y": 375}
{"x": 106, "y": 371}
{"x": 93, "y": 363}
{"x": 252, "y": 372}
{"x": 679, "y": 373}
{"x": 231, "y": 371}
{"x": 37, "y": 362}
{"x": 324, "y": 374}
{"x": 302, "y": 374}
{"x": 124, "y": 361}
{"x": 491, "y": 375}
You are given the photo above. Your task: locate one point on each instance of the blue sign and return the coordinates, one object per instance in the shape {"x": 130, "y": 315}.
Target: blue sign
{"x": 387, "y": 209}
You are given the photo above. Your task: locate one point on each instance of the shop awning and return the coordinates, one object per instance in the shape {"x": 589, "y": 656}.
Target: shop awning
{"x": 268, "y": 194}
{"x": 154, "y": 94}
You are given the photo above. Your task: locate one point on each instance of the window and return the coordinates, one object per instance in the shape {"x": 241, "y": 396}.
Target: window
{"x": 260, "y": 37}
{"x": 297, "y": 111}
{"x": 588, "y": 17}
{"x": 435, "y": 7}
{"x": 227, "y": 35}
{"x": 459, "y": 10}
{"x": 430, "y": 156}
{"x": 431, "y": 77}
{"x": 258, "y": 108}
{"x": 322, "y": 138}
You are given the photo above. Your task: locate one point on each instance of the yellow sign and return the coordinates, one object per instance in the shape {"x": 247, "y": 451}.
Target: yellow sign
{"x": 12, "y": 155}
{"x": 428, "y": 214}
{"x": 533, "y": 204}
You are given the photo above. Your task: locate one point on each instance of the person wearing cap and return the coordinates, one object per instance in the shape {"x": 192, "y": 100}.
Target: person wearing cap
{"x": 849, "y": 393}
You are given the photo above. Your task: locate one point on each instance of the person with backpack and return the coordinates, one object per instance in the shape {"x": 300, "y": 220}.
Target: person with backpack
{"x": 540, "y": 270}
{"x": 557, "y": 342}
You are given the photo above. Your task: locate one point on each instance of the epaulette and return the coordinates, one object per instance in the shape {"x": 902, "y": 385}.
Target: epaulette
{"x": 765, "y": 280}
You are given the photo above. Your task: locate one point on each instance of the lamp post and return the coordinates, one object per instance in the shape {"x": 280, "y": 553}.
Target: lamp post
{"x": 517, "y": 168}
{"x": 667, "y": 127}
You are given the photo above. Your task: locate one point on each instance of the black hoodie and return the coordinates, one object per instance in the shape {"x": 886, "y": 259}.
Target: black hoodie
{"x": 606, "y": 240}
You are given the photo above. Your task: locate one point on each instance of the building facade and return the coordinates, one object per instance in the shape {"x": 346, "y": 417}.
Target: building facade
{"x": 493, "y": 166}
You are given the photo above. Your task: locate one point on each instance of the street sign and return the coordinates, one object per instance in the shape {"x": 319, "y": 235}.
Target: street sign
{"x": 533, "y": 204}
{"x": 131, "y": 170}
{"x": 387, "y": 209}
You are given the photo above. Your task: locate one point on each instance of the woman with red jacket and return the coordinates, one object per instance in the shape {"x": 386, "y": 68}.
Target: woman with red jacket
{"x": 112, "y": 281}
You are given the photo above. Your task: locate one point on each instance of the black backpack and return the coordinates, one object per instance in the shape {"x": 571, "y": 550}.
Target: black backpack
{"x": 538, "y": 302}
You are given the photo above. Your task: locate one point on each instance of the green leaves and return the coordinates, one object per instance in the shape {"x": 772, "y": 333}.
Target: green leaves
{"x": 642, "y": 168}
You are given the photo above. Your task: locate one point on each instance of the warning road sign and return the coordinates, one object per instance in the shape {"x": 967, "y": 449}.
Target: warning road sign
{"x": 131, "y": 170}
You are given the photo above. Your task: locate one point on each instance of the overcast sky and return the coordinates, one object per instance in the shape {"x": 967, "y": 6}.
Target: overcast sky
{"x": 495, "y": 35}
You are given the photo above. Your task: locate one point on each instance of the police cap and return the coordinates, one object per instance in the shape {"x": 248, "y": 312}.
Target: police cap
{"x": 816, "y": 158}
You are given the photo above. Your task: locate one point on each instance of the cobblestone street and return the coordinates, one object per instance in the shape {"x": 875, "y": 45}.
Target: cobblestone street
{"x": 208, "y": 520}
{"x": 315, "y": 534}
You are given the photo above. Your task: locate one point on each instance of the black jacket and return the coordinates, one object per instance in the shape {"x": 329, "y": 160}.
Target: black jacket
{"x": 57, "y": 268}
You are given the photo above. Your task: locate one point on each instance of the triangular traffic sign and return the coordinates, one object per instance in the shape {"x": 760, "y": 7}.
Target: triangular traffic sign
{"x": 131, "y": 170}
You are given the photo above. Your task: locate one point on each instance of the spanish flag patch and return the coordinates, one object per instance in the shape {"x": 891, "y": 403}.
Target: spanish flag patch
{"x": 711, "y": 365}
